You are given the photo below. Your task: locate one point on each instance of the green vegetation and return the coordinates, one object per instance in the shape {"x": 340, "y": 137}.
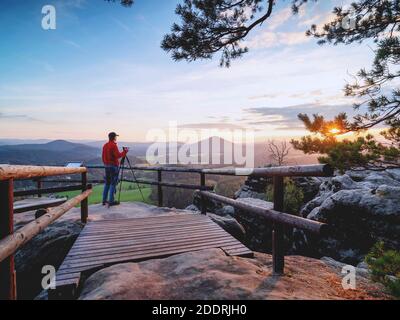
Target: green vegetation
{"x": 227, "y": 186}
{"x": 129, "y": 193}
{"x": 382, "y": 263}
{"x": 293, "y": 197}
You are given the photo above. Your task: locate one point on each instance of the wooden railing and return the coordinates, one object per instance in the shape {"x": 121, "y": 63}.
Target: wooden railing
{"x": 290, "y": 171}
{"x": 11, "y": 241}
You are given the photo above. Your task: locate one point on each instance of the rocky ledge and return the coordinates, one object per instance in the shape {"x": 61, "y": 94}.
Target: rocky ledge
{"x": 211, "y": 274}
{"x": 206, "y": 274}
{"x": 361, "y": 208}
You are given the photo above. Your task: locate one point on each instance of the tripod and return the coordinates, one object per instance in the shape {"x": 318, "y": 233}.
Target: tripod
{"x": 121, "y": 169}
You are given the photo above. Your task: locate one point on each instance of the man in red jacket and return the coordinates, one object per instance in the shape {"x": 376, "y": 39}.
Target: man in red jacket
{"x": 111, "y": 156}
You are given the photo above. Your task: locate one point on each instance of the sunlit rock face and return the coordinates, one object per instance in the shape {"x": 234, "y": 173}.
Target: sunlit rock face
{"x": 361, "y": 207}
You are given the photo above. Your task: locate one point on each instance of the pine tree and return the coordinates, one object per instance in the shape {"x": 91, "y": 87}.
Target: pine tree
{"x": 208, "y": 27}
{"x": 376, "y": 88}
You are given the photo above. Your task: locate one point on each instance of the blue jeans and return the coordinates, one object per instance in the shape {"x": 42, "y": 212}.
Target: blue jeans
{"x": 110, "y": 186}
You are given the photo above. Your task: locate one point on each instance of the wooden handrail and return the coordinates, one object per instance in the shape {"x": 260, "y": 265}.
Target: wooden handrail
{"x": 24, "y": 193}
{"x": 272, "y": 215}
{"x": 318, "y": 170}
{"x": 29, "y": 172}
{"x": 11, "y": 243}
{"x": 278, "y": 219}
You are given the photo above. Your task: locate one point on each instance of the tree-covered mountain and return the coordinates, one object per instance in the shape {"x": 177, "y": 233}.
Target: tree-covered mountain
{"x": 58, "y": 152}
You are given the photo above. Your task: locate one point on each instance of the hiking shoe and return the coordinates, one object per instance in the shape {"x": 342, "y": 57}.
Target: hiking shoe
{"x": 112, "y": 204}
{"x": 105, "y": 203}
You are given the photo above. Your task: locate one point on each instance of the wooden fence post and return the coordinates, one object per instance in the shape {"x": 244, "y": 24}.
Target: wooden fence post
{"x": 278, "y": 254}
{"x": 159, "y": 188}
{"x": 85, "y": 202}
{"x": 202, "y": 198}
{"x": 8, "y": 288}
{"x": 39, "y": 184}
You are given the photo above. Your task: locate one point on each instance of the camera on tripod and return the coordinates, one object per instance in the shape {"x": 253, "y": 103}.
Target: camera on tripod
{"x": 121, "y": 172}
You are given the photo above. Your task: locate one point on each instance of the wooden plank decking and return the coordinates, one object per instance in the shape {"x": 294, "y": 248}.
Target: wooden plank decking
{"x": 107, "y": 242}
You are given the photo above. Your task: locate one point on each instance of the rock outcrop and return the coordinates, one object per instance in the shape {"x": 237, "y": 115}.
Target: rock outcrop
{"x": 361, "y": 208}
{"x": 210, "y": 274}
{"x": 48, "y": 248}
{"x": 254, "y": 188}
{"x": 230, "y": 225}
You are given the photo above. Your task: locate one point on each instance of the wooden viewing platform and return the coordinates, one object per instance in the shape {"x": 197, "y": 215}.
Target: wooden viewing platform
{"x": 108, "y": 242}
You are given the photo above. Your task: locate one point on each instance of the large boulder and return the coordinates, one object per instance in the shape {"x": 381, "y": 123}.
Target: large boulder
{"x": 309, "y": 186}
{"x": 211, "y": 274}
{"x": 254, "y": 188}
{"x": 230, "y": 225}
{"x": 361, "y": 209}
{"x": 48, "y": 248}
{"x": 223, "y": 216}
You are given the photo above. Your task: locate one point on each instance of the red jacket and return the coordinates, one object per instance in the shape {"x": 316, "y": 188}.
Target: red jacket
{"x": 111, "y": 154}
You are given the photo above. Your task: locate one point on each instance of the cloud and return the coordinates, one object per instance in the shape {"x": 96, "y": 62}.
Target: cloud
{"x": 318, "y": 19}
{"x": 79, "y": 4}
{"x": 42, "y": 64}
{"x": 313, "y": 93}
{"x": 20, "y": 117}
{"x": 279, "y": 18}
{"x": 72, "y": 44}
{"x": 265, "y": 96}
{"x": 122, "y": 25}
{"x": 285, "y": 118}
{"x": 268, "y": 39}
{"x": 212, "y": 125}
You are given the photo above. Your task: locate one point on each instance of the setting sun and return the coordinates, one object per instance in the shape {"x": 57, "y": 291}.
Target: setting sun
{"x": 334, "y": 131}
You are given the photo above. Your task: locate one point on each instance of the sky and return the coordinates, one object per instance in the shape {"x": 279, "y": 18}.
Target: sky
{"x": 102, "y": 69}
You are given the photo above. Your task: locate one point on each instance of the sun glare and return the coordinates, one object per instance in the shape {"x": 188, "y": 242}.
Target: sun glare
{"x": 334, "y": 131}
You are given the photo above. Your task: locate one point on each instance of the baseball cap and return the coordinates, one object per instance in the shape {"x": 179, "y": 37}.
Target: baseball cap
{"x": 112, "y": 135}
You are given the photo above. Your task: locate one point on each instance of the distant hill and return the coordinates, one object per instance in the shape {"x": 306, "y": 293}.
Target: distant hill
{"x": 137, "y": 149}
{"x": 4, "y": 142}
{"x": 58, "y": 152}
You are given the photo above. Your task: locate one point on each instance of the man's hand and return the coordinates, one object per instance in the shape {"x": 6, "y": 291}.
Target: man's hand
{"x": 126, "y": 149}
